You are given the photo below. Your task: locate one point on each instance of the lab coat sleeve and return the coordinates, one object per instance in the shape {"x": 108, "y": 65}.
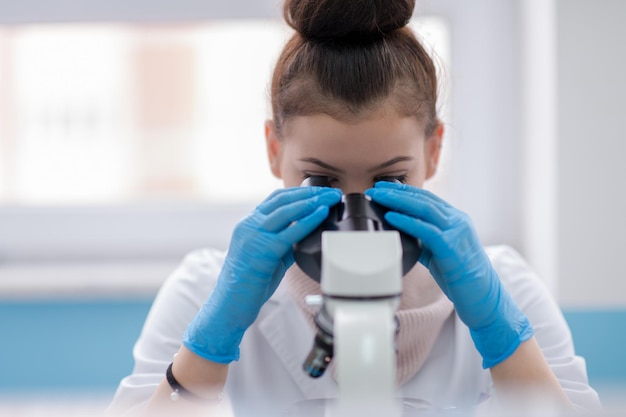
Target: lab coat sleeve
{"x": 551, "y": 330}
{"x": 175, "y": 305}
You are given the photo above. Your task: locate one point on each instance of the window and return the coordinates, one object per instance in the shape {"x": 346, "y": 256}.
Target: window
{"x": 109, "y": 113}
{"x": 106, "y": 114}
{"x": 135, "y": 141}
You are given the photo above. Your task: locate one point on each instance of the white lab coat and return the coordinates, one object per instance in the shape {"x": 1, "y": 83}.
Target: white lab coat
{"x": 269, "y": 375}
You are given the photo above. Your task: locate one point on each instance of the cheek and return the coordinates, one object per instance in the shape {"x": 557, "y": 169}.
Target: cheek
{"x": 416, "y": 181}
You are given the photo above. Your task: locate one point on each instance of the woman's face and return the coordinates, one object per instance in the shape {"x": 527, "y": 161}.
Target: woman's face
{"x": 354, "y": 155}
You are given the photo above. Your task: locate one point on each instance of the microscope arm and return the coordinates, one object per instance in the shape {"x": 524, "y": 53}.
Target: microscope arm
{"x": 361, "y": 283}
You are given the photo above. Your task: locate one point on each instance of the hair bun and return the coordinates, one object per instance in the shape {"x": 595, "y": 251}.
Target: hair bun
{"x": 337, "y": 19}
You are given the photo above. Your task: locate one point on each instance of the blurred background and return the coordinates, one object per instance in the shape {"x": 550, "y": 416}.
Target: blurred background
{"x": 132, "y": 133}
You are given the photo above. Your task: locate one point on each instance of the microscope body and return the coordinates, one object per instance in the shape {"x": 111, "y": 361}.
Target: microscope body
{"x": 361, "y": 283}
{"x": 359, "y": 260}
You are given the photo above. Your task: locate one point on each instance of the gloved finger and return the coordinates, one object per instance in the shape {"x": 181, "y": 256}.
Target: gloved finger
{"x": 284, "y": 215}
{"x": 414, "y": 204}
{"x": 288, "y": 259}
{"x": 304, "y": 226}
{"x": 285, "y": 264}
{"x": 425, "y": 257}
{"x": 429, "y": 235}
{"x": 417, "y": 193}
{"x": 411, "y": 189}
{"x": 288, "y": 195}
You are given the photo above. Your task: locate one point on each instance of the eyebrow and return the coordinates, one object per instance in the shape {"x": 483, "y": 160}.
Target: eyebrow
{"x": 385, "y": 164}
{"x": 322, "y": 164}
{"x": 391, "y": 162}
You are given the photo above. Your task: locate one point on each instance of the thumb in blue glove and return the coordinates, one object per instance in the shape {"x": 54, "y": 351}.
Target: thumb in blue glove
{"x": 259, "y": 254}
{"x": 458, "y": 262}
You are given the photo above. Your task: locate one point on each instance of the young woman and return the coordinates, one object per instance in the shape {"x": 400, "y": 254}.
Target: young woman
{"x": 354, "y": 100}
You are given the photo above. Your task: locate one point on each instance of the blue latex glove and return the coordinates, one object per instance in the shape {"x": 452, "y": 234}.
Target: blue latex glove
{"x": 456, "y": 259}
{"x": 260, "y": 252}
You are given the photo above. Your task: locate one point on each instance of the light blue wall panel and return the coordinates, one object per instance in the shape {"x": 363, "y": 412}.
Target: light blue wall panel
{"x": 86, "y": 346}
{"x": 600, "y": 337}
{"x": 68, "y": 346}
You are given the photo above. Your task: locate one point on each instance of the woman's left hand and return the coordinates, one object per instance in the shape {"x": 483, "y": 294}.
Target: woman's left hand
{"x": 456, "y": 259}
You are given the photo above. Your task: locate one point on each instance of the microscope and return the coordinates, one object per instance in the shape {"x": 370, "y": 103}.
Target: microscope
{"x": 359, "y": 260}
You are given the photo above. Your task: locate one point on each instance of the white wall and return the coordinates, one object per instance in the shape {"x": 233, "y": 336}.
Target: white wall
{"x": 539, "y": 138}
{"x": 592, "y": 152}
{"x": 484, "y": 129}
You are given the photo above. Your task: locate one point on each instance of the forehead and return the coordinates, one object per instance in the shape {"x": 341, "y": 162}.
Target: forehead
{"x": 378, "y": 133}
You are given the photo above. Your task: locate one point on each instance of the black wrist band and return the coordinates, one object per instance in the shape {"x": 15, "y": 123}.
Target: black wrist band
{"x": 180, "y": 391}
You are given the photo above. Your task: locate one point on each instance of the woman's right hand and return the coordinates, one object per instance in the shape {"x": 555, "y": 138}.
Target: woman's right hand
{"x": 259, "y": 254}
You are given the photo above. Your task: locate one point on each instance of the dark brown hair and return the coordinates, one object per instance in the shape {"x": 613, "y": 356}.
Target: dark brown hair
{"x": 351, "y": 56}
